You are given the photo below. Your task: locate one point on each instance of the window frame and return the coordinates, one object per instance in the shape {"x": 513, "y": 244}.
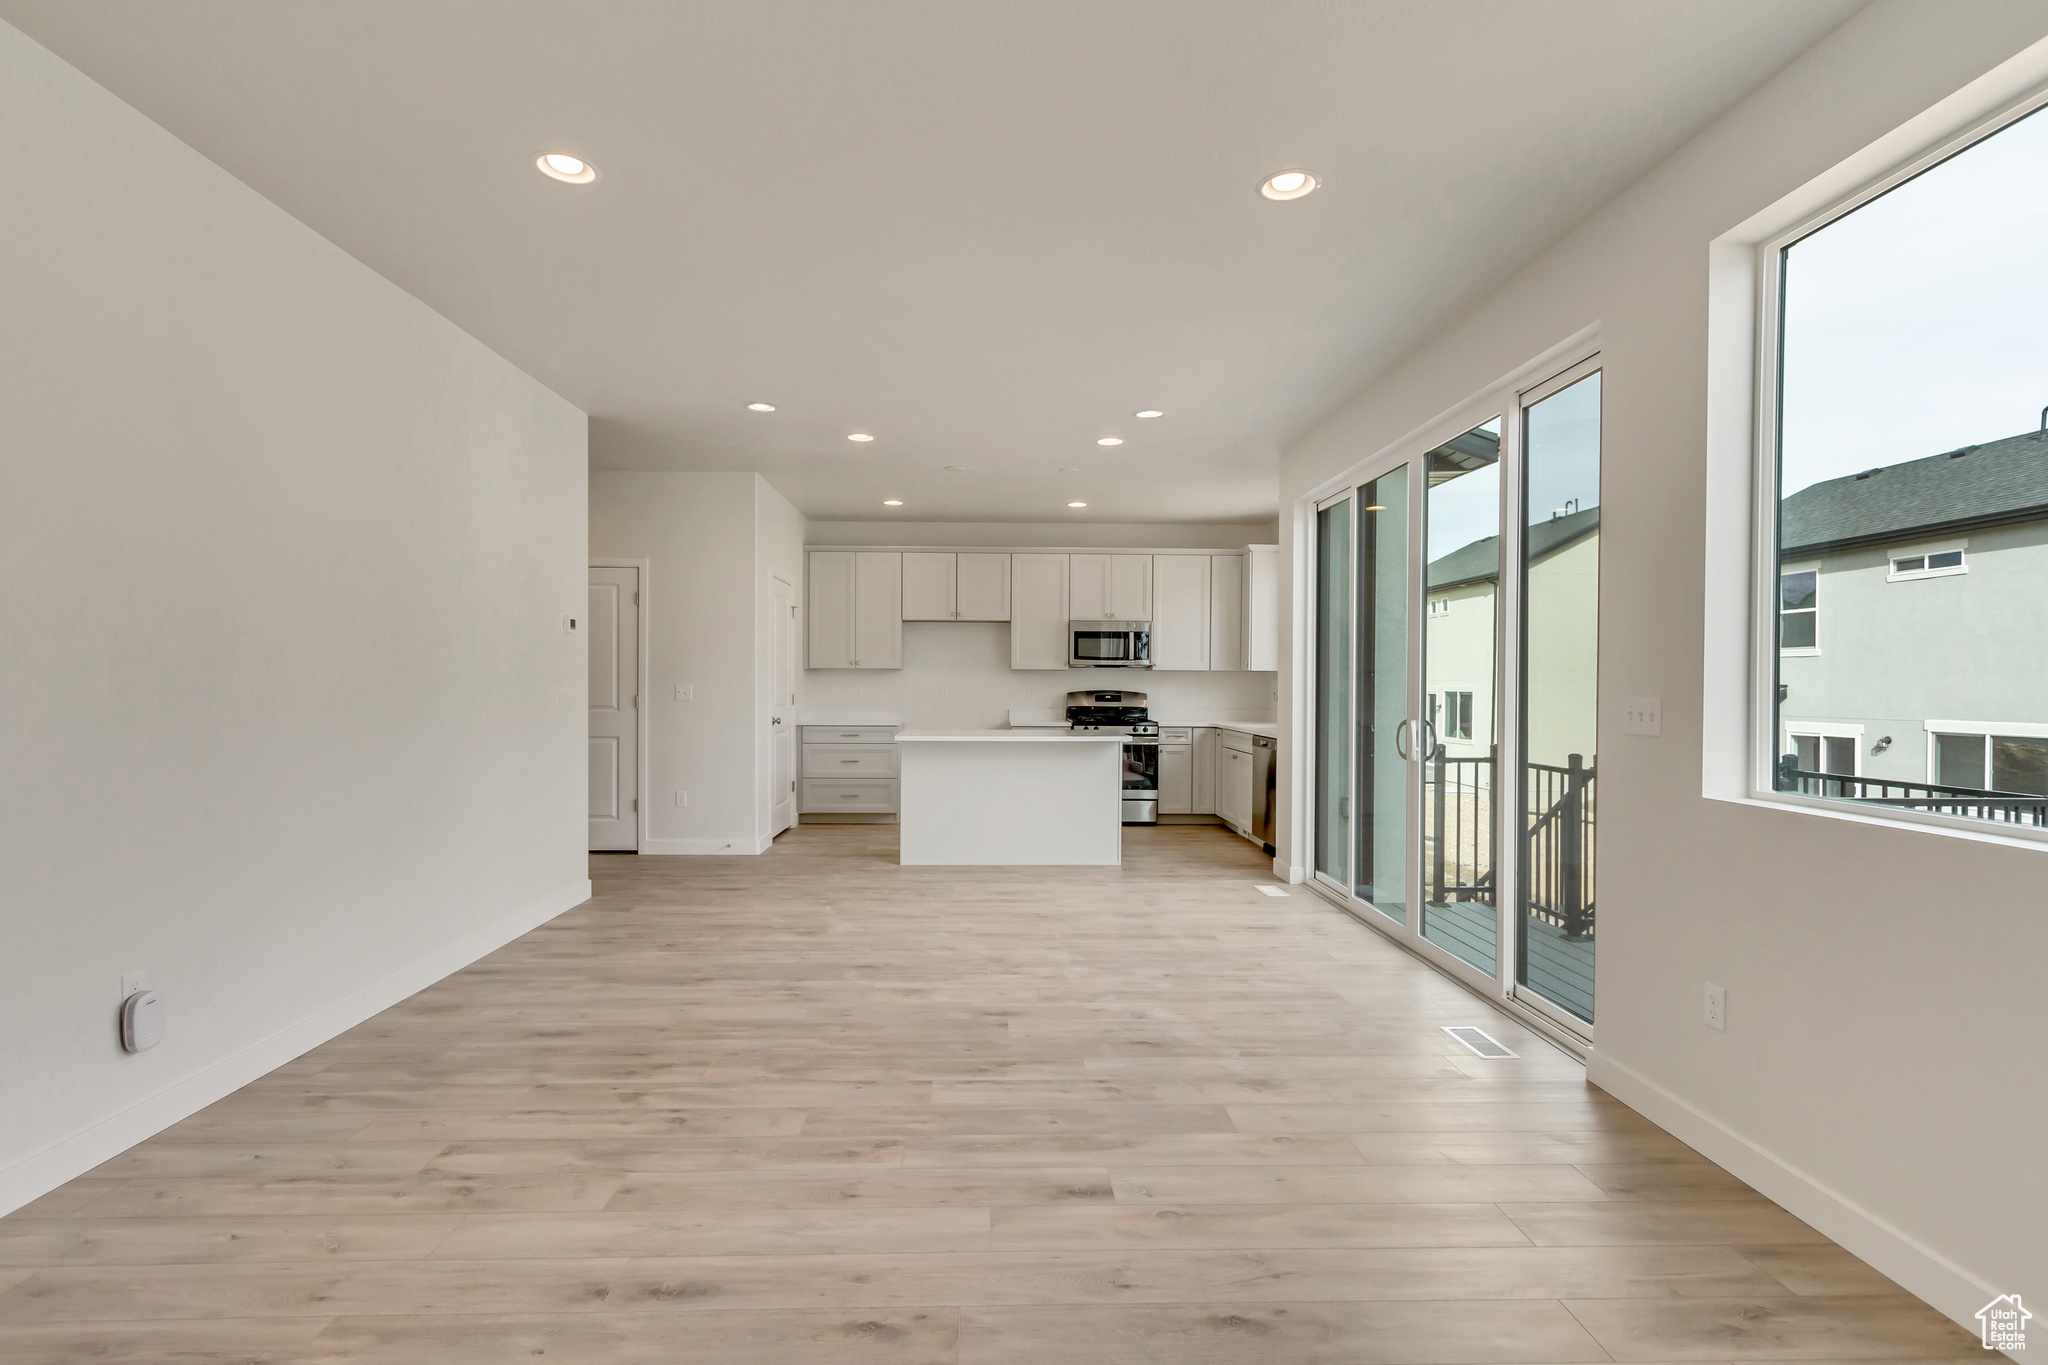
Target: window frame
{"x": 1786, "y": 651}
{"x": 1923, "y": 551}
{"x": 1766, "y": 266}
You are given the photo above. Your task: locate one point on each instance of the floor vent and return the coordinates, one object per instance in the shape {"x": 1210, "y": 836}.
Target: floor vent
{"x": 1271, "y": 890}
{"x": 1479, "y": 1040}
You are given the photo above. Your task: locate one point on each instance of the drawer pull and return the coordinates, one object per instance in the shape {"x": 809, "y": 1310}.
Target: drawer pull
{"x": 849, "y": 760}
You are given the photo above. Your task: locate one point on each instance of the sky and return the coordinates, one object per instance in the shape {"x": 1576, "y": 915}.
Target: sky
{"x": 1919, "y": 323}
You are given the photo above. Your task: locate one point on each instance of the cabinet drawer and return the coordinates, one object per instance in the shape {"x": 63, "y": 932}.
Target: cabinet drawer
{"x": 1176, "y": 734}
{"x": 1238, "y": 740}
{"x": 849, "y": 734}
{"x": 821, "y": 795}
{"x": 849, "y": 760}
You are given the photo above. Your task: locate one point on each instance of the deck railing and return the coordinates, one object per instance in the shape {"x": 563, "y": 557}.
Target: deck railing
{"x": 1561, "y": 844}
{"x": 1458, "y": 796}
{"x": 1970, "y": 803}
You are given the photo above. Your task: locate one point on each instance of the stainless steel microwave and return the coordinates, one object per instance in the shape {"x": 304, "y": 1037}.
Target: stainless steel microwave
{"x": 1109, "y": 644}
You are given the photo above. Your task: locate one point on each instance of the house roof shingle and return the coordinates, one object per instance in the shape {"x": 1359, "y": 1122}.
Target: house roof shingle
{"x": 1479, "y": 562}
{"x": 2000, "y": 481}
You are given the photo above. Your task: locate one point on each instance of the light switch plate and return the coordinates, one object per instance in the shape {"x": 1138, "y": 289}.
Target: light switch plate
{"x": 1642, "y": 716}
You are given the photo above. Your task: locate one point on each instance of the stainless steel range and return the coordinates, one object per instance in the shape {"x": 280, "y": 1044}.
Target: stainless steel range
{"x": 1124, "y": 713}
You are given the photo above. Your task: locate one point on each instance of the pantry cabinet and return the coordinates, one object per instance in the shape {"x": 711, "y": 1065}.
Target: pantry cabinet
{"x": 856, "y": 602}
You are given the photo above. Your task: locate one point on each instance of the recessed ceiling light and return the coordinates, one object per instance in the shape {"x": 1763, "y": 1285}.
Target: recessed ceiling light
{"x": 1289, "y": 185}
{"x": 860, "y": 436}
{"x": 1150, "y": 412}
{"x": 760, "y": 407}
{"x": 1077, "y": 504}
{"x": 568, "y": 169}
{"x": 1110, "y": 441}
{"x": 892, "y": 502}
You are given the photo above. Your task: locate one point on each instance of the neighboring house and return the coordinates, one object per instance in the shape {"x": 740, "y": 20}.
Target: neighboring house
{"x": 1913, "y": 623}
{"x": 1564, "y": 585}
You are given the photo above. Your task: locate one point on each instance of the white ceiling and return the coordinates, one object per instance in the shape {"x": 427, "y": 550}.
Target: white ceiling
{"x": 985, "y": 232}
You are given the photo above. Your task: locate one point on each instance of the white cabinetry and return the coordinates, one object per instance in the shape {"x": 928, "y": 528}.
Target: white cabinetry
{"x": 1176, "y": 777}
{"x": 848, "y": 770}
{"x": 856, "y": 601}
{"x": 1110, "y": 588}
{"x": 1234, "y": 788}
{"x": 945, "y": 586}
{"x": 1180, "y": 612}
{"x": 1262, "y": 608}
{"x": 1226, "y": 611}
{"x": 1038, "y": 611}
{"x": 1205, "y": 750}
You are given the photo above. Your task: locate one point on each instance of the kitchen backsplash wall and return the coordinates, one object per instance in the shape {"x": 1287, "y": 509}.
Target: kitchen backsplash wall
{"x": 957, "y": 675}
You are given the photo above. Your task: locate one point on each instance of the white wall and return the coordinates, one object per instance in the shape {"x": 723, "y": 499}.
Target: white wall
{"x": 1881, "y": 1073}
{"x": 957, "y": 675}
{"x": 704, "y": 615}
{"x": 290, "y": 720}
{"x": 1052, "y": 534}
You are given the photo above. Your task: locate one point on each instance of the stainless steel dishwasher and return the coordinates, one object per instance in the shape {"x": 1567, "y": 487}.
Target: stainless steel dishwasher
{"x": 1262, "y": 791}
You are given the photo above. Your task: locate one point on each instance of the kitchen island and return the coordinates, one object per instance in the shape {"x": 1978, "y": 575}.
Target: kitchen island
{"x": 1010, "y": 798}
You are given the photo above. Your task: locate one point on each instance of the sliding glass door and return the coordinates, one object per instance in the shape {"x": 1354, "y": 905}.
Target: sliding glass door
{"x": 1455, "y": 639}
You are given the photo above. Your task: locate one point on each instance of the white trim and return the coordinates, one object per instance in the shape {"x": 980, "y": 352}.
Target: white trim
{"x": 644, "y": 813}
{"x": 1917, "y": 1267}
{"x": 738, "y": 844}
{"x": 35, "y": 1176}
{"x": 2017, "y": 729}
{"x": 1892, "y": 556}
{"x": 1828, "y": 729}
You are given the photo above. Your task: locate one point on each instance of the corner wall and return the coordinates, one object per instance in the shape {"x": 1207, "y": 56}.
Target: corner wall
{"x": 288, "y": 719}
{"x": 1881, "y": 1071}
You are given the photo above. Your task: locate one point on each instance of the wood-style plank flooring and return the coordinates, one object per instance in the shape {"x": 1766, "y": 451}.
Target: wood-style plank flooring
{"x": 814, "y": 1106}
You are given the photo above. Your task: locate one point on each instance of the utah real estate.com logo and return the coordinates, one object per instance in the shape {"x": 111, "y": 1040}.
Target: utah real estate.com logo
{"x": 2005, "y": 1323}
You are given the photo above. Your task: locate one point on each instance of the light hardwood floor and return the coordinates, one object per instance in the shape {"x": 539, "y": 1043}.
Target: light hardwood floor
{"x": 813, "y": 1106}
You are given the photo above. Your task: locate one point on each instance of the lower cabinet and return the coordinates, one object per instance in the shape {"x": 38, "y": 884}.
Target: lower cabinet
{"x": 848, "y": 770}
{"x": 1176, "y": 779}
{"x": 1205, "y": 748}
{"x": 1234, "y": 788}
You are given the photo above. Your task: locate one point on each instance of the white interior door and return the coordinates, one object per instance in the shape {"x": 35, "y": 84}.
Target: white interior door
{"x": 782, "y": 714}
{"x": 614, "y": 641}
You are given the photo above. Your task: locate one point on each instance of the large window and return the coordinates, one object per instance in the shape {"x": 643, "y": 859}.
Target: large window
{"x": 1911, "y": 463}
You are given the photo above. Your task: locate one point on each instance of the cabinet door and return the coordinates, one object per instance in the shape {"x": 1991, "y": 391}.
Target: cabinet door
{"x": 1130, "y": 587}
{"x": 983, "y": 593}
{"x": 928, "y": 586}
{"x": 1262, "y": 608}
{"x": 1038, "y": 611}
{"x": 1088, "y": 591}
{"x": 831, "y": 610}
{"x": 1204, "y": 794}
{"x": 1176, "y": 779}
{"x": 878, "y": 610}
{"x": 1180, "y": 612}
{"x": 1238, "y": 784}
{"x": 1226, "y": 611}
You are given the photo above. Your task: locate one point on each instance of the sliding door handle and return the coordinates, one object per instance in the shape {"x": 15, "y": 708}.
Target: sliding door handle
{"x": 1401, "y": 738}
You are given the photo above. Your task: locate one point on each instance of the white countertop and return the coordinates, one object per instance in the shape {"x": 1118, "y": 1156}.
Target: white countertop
{"x": 1269, "y": 728}
{"x": 847, "y": 718}
{"x": 1005, "y": 736}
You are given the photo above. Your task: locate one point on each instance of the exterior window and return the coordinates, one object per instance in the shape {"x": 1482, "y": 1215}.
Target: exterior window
{"x": 1939, "y": 564}
{"x": 1908, "y": 449}
{"x": 1439, "y": 606}
{"x": 1798, "y": 610}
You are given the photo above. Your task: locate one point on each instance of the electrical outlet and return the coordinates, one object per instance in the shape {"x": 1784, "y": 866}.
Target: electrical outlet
{"x": 569, "y": 623}
{"x": 134, "y": 981}
{"x": 685, "y": 692}
{"x": 1717, "y": 1008}
{"x": 1642, "y": 716}
{"x": 682, "y": 797}
{"x": 943, "y": 692}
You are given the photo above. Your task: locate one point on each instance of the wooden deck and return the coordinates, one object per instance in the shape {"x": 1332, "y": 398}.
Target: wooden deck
{"x": 814, "y": 1107}
{"x": 1561, "y": 969}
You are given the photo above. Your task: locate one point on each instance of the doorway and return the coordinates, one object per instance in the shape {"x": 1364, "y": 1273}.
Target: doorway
{"x": 782, "y": 708}
{"x": 615, "y": 634}
{"x": 1454, "y": 694}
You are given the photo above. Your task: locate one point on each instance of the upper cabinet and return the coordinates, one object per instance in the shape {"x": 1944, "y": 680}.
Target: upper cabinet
{"x": 945, "y": 586}
{"x": 1262, "y": 608}
{"x": 1038, "y": 611}
{"x": 856, "y": 601}
{"x": 1180, "y": 612}
{"x": 1226, "y": 610}
{"x": 1110, "y": 588}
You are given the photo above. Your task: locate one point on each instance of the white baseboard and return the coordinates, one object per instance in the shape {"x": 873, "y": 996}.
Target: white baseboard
{"x": 1916, "y": 1267}
{"x": 739, "y": 845}
{"x": 35, "y": 1176}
